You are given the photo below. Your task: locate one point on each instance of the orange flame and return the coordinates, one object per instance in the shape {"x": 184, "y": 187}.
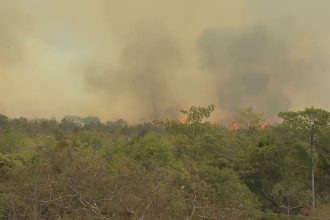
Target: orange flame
{"x": 234, "y": 126}
{"x": 181, "y": 119}
{"x": 265, "y": 124}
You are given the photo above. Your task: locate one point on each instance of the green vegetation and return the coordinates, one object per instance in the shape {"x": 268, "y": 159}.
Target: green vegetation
{"x": 81, "y": 168}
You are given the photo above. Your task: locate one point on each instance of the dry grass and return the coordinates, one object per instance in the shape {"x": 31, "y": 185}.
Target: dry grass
{"x": 322, "y": 212}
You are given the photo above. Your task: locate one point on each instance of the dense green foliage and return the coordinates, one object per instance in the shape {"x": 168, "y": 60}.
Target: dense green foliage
{"x": 81, "y": 168}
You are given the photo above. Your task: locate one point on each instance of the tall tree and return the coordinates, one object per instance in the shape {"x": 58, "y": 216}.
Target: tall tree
{"x": 311, "y": 122}
{"x": 249, "y": 119}
{"x": 195, "y": 115}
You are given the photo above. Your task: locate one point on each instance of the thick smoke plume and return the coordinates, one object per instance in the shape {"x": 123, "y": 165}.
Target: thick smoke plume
{"x": 253, "y": 66}
{"x": 247, "y": 65}
{"x": 145, "y": 76}
{"x": 144, "y": 60}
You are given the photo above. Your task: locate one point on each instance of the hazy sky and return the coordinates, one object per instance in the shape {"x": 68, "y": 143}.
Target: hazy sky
{"x": 147, "y": 59}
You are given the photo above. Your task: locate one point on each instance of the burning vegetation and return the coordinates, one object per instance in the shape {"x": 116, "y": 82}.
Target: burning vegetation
{"x": 82, "y": 168}
{"x": 142, "y": 61}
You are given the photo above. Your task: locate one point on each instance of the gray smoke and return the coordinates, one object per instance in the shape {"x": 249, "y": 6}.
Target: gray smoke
{"x": 253, "y": 67}
{"x": 110, "y": 59}
{"x": 145, "y": 73}
{"x": 10, "y": 32}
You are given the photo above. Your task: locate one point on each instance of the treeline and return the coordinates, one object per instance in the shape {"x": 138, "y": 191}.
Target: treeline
{"x": 81, "y": 168}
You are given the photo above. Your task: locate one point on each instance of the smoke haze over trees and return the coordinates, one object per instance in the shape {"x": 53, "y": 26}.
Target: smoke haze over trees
{"x": 102, "y": 117}
{"x": 81, "y": 168}
{"x": 104, "y": 57}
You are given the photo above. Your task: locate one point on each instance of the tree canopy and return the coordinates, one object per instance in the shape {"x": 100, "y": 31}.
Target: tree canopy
{"x": 82, "y": 168}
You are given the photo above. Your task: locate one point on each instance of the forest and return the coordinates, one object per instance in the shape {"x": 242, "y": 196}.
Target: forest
{"x": 187, "y": 168}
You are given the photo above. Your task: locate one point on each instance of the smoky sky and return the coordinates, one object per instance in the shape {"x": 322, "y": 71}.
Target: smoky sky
{"x": 253, "y": 66}
{"x": 145, "y": 75}
{"x": 145, "y": 60}
{"x": 245, "y": 64}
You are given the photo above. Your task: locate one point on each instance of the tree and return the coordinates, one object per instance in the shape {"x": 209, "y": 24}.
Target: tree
{"x": 69, "y": 125}
{"x": 249, "y": 119}
{"x": 289, "y": 194}
{"x": 3, "y": 120}
{"x": 195, "y": 115}
{"x": 311, "y": 121}
{"x": 91, "y": 122}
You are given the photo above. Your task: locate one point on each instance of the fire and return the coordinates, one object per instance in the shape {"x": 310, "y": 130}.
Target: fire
{"x": 181, "y": 119}
{"x": 265, "y": 124}
{"x": 234, "y": 126}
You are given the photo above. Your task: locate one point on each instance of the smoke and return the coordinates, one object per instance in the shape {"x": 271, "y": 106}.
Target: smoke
{"x": 145, "y": 77}
{"x": 143, "y": 60}
{"x": 10, "y": 45}
{"x": 253, "y": 66}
